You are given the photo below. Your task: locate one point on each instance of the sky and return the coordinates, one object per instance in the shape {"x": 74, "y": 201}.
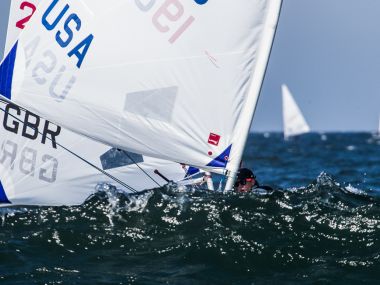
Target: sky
{"x": 328, "y": 54}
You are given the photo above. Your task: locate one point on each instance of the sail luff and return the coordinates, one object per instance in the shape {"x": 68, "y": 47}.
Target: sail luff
{"x": 243, "y": 126}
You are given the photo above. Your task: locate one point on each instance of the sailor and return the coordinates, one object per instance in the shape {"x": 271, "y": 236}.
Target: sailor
{"x": 246, "y": 181}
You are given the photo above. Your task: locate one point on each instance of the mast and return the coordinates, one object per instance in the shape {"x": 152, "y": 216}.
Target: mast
{"x": 243, "y": 126}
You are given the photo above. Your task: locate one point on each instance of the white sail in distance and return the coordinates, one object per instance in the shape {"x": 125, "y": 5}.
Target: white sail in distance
{"x": 172, "y": 79}
{"x": 44, "y": 164}
{"x": 294, "y": 121}
{"x": 376, "y": 134}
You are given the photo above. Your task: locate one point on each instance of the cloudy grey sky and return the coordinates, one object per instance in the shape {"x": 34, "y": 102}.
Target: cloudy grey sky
{"x": 328, "y": 53}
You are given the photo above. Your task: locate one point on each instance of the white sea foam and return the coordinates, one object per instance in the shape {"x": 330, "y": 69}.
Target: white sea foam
{"x": 354, "y": 190}
{"x": 351, "y": 147}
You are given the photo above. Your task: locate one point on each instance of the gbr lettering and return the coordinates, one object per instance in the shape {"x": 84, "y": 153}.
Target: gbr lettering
{"x": 27, "y": 161}
{"x": 27, "y": 124}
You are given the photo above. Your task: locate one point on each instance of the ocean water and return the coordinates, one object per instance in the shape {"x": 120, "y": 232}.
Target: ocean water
{"x": 320, "y": 226}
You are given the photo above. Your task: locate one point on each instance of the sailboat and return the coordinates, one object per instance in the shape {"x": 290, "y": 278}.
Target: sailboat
{"x": 44, "y": 164}
{"x": 166, "y": 79}
{"x": 294, "y": 122}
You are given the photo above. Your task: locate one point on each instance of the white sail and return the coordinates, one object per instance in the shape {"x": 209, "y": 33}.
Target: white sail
{"x": 172, "y": 79}
{"x": 43, "y": 164}
{"x": 294, "y": 121}
{"x": 376, "y": 134}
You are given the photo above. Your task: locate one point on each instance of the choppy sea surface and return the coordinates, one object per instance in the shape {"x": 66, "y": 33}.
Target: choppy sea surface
{"x": 320, "y": 226}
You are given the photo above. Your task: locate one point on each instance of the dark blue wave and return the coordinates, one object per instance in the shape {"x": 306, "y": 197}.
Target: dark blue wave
{"x": 320, "y": 225}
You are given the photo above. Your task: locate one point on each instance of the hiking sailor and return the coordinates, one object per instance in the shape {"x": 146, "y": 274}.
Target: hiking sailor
{"x": 246, "y": 182}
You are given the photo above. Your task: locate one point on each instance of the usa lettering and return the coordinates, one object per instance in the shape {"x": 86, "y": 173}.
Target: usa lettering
{"x": 28, "y": 124}
{"x": 67, "y": 37}
{"x": 61, "y": 84}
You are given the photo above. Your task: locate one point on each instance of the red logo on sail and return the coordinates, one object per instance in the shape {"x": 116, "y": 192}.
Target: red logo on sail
{"x": 213, "y": 139}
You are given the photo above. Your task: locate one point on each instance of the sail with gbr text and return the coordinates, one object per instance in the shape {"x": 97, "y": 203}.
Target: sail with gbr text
{"x": 39, "y": 165}
{"x": 173, "y": 79}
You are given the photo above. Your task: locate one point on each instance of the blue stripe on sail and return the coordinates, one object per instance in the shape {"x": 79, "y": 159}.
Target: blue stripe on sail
{"x": 6, "y": 73}
{"x": 192, "y": 171}
{"x": 222, "y": 159}
{"x": 3, "y": 196}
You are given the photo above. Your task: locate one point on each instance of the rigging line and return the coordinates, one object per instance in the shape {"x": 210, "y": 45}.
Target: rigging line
{"x": 73, "y": 153}
{"x": 161, "y": 175}
{"x": 147, "y": 174}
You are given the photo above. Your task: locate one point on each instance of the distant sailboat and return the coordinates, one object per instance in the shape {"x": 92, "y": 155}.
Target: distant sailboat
{"x": 377, "y": 133}
{"x": 294, "y": 122}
